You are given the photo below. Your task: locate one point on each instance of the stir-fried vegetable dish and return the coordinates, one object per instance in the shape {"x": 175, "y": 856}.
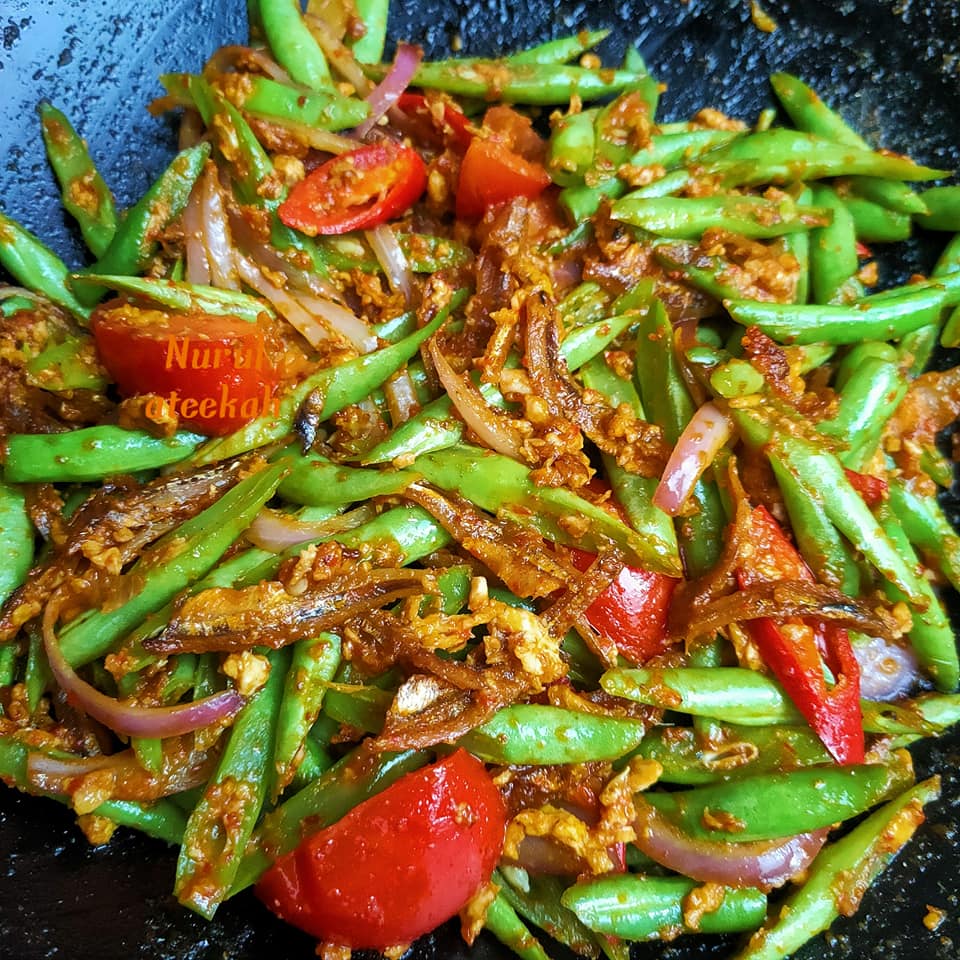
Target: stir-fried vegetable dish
{"x": 453, "y": 490}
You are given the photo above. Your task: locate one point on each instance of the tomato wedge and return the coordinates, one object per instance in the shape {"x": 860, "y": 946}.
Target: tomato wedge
{"x": 397, "y": 865}
{"x": 213, "y": 372}
{"x": 492, "y": 173}
{"x": 796, "y": 649}
{"x": 356, "y": 190}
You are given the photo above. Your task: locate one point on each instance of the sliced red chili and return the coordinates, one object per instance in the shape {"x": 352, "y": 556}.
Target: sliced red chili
{"x": 795, "y": 649}
{"x": 872, "y": 489}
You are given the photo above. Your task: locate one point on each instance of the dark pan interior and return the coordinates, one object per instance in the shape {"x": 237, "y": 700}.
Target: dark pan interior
{"x": 893, "y": 66}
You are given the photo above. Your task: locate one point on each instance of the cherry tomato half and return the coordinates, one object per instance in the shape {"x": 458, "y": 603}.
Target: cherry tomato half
{"x": 356, "y": 190}
{"x": 213, "y": 372}
{"x": 445, "y": 120}
{"x": 398, "y": 864}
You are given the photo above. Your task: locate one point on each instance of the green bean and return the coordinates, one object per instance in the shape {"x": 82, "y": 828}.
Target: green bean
{"x": 730, "y": 751}
{"x": 84, "y": 194}
{"x": 536, "y": 84}
{"x": 340, "y": 386}
{"x": 808, "y": 357}
{"x": 785, "y": 156}
{"x": 69, "y": 365}
{"x": 293, "y": 44}
{"x": 687, "y": 218}
{"x": 585, "y": 303}
{"x": 879, "y": 317}
{"x": 728, "y": 694}
{"x": 931, "y": 634}
{"x": 916, "y": 348}
{"x": 220, "y": 826}
{"x": 866, "y": 402}
{"x": 798, "y": 244}
{"x": 37, "y": 267}
{"x": 561, "y": 50}
{"x": 369, "y": 47}
{"x": 9, "y": 655}
{"x": 820, "y": 544}
{"x": 170, "y": 565}
{"x": 736, "y": 378}
{"x": 15, "y": 304}
{"x": 493, "y": 482}
{"x": 284, "y": 104}
{"x": 315, "y": 480}
{"x": 927, "y": 527}
{"x": 943, "y": 209}
{"x": 538, "y": 900}
{"x": 313, "y": 663}
{"x": 37, "y": 676}
{"x": 357, "y": 777}
{"x": 770, "y": 805}
{"x": 362, "y": 708}
{"x": 91, "y": 453}
{"x": 138, "y": 235}
{"x": 810, "y": 114}
{"x": 839, "y": 875}
{"x": 648, "y": 908}
{"x": 874, "y": 223}
{"x": 708, "y": 274}
{"x": 505, "y": 924}
{"x": 833, "y": 252}
{"x": 161, "y": 818}
{"x": 891, "y": 194}
{"x": 819, "y": 471}
{"x": 188, "y": 297}
{"x": 632, "y": 492}
{"x": 668, "y": 403}
{"x": 572, "y": 146}
{"x": 531, "y": 733}
{"x": 16, "y": 540}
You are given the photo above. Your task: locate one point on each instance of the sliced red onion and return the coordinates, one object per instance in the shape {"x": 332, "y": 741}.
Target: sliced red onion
{"x": 386, "y": 248}
{"x": 227, "y": 58}
{"x": 315, "y": 137}
{"x": 401, "y": 397}
{"x": 339, "y": 318}
{"x": 198, "y": 266}
{"x": 216, "y": 233}
{"x": 493, "y": 429}
{"x": 43, "y": 765}
{"x": 888, "y": 671}
{"x": 131, "y": 721}
{"x": 764, "y": 864}
{"x": 340, "y": 57}
{"x": 701, "y": 440}
{"x": 387, "y": 92}
{"x": 277, "y": 532}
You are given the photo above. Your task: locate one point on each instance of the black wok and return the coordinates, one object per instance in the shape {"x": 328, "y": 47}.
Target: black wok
{"x": 894, "y": 68}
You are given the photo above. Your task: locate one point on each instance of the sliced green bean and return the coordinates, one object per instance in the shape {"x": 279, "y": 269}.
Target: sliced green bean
{"x": 874, "y": 223}
{"x": 505, "y": 924}
{"x": 943, "y": 209}
{"x": 561, "y": 50}
{"x": 833, "y": 251}
{"x": 84, "y": 194}
{"x": 91, "y": 453}
{"x": 648, "y": 908}
{"x": 68, "y": 365}
{"x": 37, "y": 267}
{"x": 293, "y": 44}
{"x": 217, "y": 831}
{"x": 531, "y": 733}
{"x": 839, "y": 875}
{"x": 16, "y": 540}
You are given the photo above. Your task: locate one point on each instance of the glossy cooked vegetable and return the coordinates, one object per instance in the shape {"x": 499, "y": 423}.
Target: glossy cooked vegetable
{"x": 582, "y": 466}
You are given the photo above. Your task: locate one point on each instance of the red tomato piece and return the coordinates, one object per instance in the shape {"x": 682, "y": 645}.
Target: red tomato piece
{"x": 632, "y": 611}
{"x": 397, "y": 865}
{"x": 492, "y": 173}
{"x": 356, "y": 190}
{"x": 213, "y": 372}
{"x": 451, "y": 123}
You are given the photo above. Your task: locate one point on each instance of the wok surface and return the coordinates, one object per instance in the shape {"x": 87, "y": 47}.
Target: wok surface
{"x": 893, "y": 68}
